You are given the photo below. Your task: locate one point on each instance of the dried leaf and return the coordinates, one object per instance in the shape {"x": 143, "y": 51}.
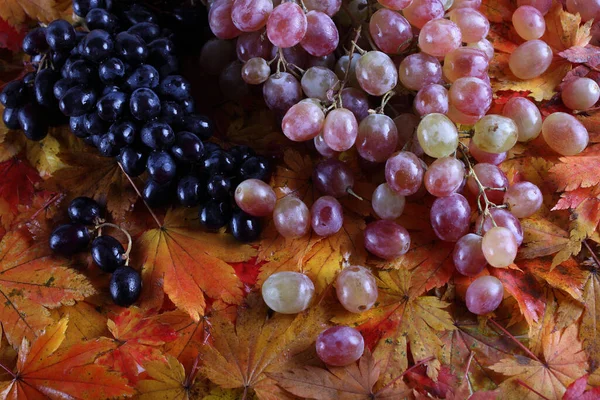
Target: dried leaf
{"x": 16, "y": 188}
{"x": 541, "y": 238}
{"x": 582, "y": 55}
{"x": 497, "y": 10}
{"x": 589, "y": 332}
{"x": 15, "y": 12}
{"x": 577, "y": 390}
{"x": 43, "y": 155}
{"x": 525, "y": 289}
{"x": 577, "y": 171}
{"x": 85, "y": 322}
{"x": 168, "y": 382}
{"x": 11, "y": 37}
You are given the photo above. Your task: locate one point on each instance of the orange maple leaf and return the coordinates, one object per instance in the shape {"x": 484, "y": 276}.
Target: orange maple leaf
{"x": 44, "y": 370}
{"x": 580, "y": 171}
{"x": 589, "y": 332}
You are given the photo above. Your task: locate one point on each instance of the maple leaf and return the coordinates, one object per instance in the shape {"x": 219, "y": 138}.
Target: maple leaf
{"x": 189, "y": 264}
{"x": 86, "y": 322}
{"x": 168, "y": 382}
{"x": 589, "y": 55}
{"x": 567, "y": 276}
{"x": 577, "y": 390}
{"x": 44, "y": 370}
{"x": 564, "y": 362}
{"x": 241, "y": 354}
{"x": 43, "y": 155}
{"x": 138, "y": 337}
{"x": 525, "y": 289}
{"x": 592, "y": 124}
{"x": 10, "y": 37}
{"x": 15, "y": 12}
{"x": 589, "y": 332}
{"x": 355, "y": 381}
{"x": 16, "y": 188}
{"x": 31, "y": 280}
{"x": 578, "y": 171}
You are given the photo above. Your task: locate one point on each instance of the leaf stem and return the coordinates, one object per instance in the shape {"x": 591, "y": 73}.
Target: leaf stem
{"x": 141, "y": 197}
{"x": 520, "y": 382}
{"x": 8, "y": 371}
{"x": 521, "y": 345}
{"x": 129, "y": 241}
{"x": 594, "y": 256}
{"x": 189, "y": 380}
{"x": 423, "y": 361}
{"x": 46, "y": 205}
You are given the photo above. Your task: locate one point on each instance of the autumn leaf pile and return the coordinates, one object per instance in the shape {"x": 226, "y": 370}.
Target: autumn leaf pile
{"x": 201, "y": 330}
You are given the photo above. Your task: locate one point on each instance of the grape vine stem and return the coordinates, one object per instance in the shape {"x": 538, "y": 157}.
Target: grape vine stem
{"x": 141, "y": 197}
{"x": 129, "y": 241}
{"x": 350, "y": 56}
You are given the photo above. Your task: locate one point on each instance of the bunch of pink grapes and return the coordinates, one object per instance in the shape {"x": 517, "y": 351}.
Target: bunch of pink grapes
{"x": 330, "y": 71}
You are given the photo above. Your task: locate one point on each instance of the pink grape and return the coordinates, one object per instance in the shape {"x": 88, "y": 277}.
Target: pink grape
{"x": 386, "y": 239}
{"x": 529, "y": 22}
{"x": 256, "y": 71}
{"x": 293, "y": 55}
{"x": 474, "y": 4}
{"x": 340, "y": 129}
{"x": 322, "y": 36}
{"x": 444, "y": 176}
{"x": 468, "y": 255}
{"x": 526, "y": 115}
{"x": 404, "y": 173}
{"x": 490, "y": 176}
{"x": 565, "y": 134}
{"x": 281, "y": 91}
{"x": 291, "y": 217}
{"x": 327, "y": 216}
{"x": 485, "y": 157}
{"x": 484, "y": 45}
{"x": 419, "y": 70}
{"x": 580, "y": 94}
{"x": 288, "y": 292}
{"x": 356, "y": 289}
{"x": 459, "y": 117}
{"x": 386, "y": 203}
{"x": 471, "y": 96}
{"x": 431, "y": 99}
{"x": 329, "y": 7}
{"x": 250, "y": 15}
{"x": 419, "y": 12}
{"x": 439, "y": 36}
{"x": 219, "y": 19}
{"x": 390, "y": 31}
{"x": 542, "y": 5}
{"x": 215, "y": 55}
{"x": 319, "y": 82}
{"x": 499, "y": 247}
{"x": 588, "y": 9}
{"x": 255, "y": 197}
{"x": 502, "y": 218}
{"x": 473, "y": 25}
{"x": 356, "y": 101}
{"x": 231, "y": 82}
{"x": 253, "y": 44}
{"x": 484, "y": 295}
{"x": 322, "y": 147}
{"x": 333, "y": 177}
{"x": 530, "y": 60}
{"x": 523, "y": 199}
{"x": 376, "y": 73}
{"x": 377, "y": 138}
{"x": 465, "y": 62}
{"x": 396, "y": 5}
{"x": 450, "y": 217}
{"x": 340, "y": 346}
{"x": 286, "y": 25}
{"x": 303, "y": 121}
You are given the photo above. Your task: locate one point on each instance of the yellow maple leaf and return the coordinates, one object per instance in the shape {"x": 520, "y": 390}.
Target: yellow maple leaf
{"x": 15, "y": 12}
{"x": 168, "y": 382}
{"x": 43, "y": 155}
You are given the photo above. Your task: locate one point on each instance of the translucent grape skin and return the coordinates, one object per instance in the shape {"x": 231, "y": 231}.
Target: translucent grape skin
{"x": 495, "y": 133}
{"x": 490, "y": 176}
{"x": 468, "y": 255}
{"x": 396, "y": 5}
{"x": 465, "y": 62}
{"x": 530, "y": 60}
{"x": 542, "y": 5}
{"x": 281, "y": 91}
{"x": 327, "y": 216}
{"x": 404, "y": 173}
{"x": 419, "y": 12}
{"x": 253, "y": 44}
{"x": 376, "y": 73}
{"x": 250, "y": 15}
{"x": 580, "y": 94}
{"x": 340, "y": 346}
{"x": 386, "y": 203}
{"x": 303, "y": 121}
{"x": 377, "y": 138}
{"x": 485, "y": 157}
{"x": 219, "y": 19}
{"x": 473, "y": 25}
{"x": 529, "y": 22}
{"x": 390, "y": 31}
{"x": 333, "y": 177}
{"x": 444, "y": 176}
{"x": 474, "y": 4}
{"x": 471, "y": 96}
{"x": 439, "y": 36}
{"x": 322, "y": 147}
{"x": 291, "y": 217}
{"x": 386, "y": 239}
{"x": 356, "y": 101}
{"x": 286, "y": 25}
{"x": 450, "y": 217}
{"x": 484, "y": 295}
{"x": 288, "y": 292}
{"x": 523, "y": 199}
{"x": 499, "y": 247}
{"x": 527, "y": 117}
{"x": 565, "y": 134}
{"x": 318, "y": 82}
{"x": 256, "y": 71}
{"x": 329, "y": 7}
{"x": 484, "y": 45}
{"x": 419, "y": 70}
{"x": 431, "y": 99}
{"x": 437, "y": 135}
{"x": 588, "y": 9}
{"x": 356, "y": 289}
{"x": 321, "y": 36}
{"x": 255, "y": 197}
{"x": 502, "y": 218}
{"x": 340, "y": 129}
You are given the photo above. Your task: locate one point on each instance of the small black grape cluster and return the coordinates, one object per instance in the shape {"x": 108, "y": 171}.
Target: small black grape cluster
{"x": 118, "y": 84}
{"x": 107, "y": 252}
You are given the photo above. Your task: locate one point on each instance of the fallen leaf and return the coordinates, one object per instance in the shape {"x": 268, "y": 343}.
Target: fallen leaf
{"x": 577, "y": 390}
{"x": 567, "y": 276}
{"x": 15, "y": 12}
{"x": 497, "y": 10}
{"x": 525, "y": 289}
{"x": 592, "y": 124}
{"x": 17, "y": 187}
{"x": 588, "y": 331}
{"x": 86, "y": 322}
{"x": 11, "y": 142}
{"x": 43, "y": 155}
{"x": 168, "y": 382}
{"x": 11, "y": 37}
{"x": 541, "y": 238}
{"x": 589, "y": 55}
{"x": 580, "y": 171}
{"x": 563, "y": 29}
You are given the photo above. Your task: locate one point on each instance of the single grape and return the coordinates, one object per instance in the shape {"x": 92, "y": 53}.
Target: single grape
{"x": 244, "y": 227}
{"x": 214, "y": 214}
{"x": 148, "y": 31}
{"x": 377, "y": 138}
{"x": 419, "y": 12}
{"x": 346, "y": 64}
{"x": 333, "y": 177}
{"x": 291, "y": 217}
{"x": 161, "y": 167}
{"x": 495, "y": 134}
{"x": 256, "y": 71}
{"x": 396, "y": 5}
{"x": 35, "y": 41}
{"x": 490, "y": 176}
{"x": 327, "y": 61}
{"x": 255, "y": 197}
{"x": 340, "y": 129}
{"x": 484, "y": 295}
{"x": 376, "y": 73}
{"x": 471, "y": 96}
{"x": 144, "y": 104}
{"x": 219, "y": 187}
{"x": 419, "y": 70}
{"x": 484, "y": 45}
{"x": 386, "y": 203}
{"x": 189, "y": 191}
{"x": 437, "y": 135}
{"x": 143, "y": 76}
{"x": 527, "y": 117}
{"x": 439, "y": 36}
{"x": 565, "y": 134}
{"x": 157, "y": 135}
{"x": 465, "y": 62}
{"x": 499, "y": 247}
{"x": 530, "y": 60}
{"x": 288, "y": 292}
{"x": 281, "y": 91}
{"x": 523, "y": 199}
{"x": 356, "y": 101}
{"x": 248, "y": 45}
{"x": 84, "y": 210}
{"x": 542, "y": 5}
{"x": 444, "y": 176}
{"x": 327, "y": 216}
{"x": 404, "y": 173}
{"x": 386, "y": 239}
{"x": 580, "y": 94}
{"x": 390, "y": 31}
{"x": 321, "y": 36}
{"x": 473, "y": 25}
{"x": 69, "y": 239}
{"x": 286, "y": 25}
{"x": 250, "y": 15}
{"x": 529, "y": 22}
{"x": 60, "y": 35}
{"x": 199, "y": 125}
{"x": 356, "y": 289}
{"x": 503, "y": 218}
{"x": 125, "y": 286}
{"x": 588, "y": 9}
{"x": 255, "y": 167}
{"x": 431, "y": 99}
{"x": 10, "y": 117}
{"x": 468, "y": 255}
{"x": 82, "y": 7}
{"x": 322, "y": 147}
{"x": 319, "y": 83}
{"x": 108, "y": 253}
{"x": 329, "y": 7}
{"x": 340, "y": 346}
{"x": 485, "y": 157}
{"x": 450, "y": 217}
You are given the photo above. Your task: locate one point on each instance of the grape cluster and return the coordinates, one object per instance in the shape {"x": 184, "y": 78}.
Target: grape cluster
{"x": 107, "y": 252}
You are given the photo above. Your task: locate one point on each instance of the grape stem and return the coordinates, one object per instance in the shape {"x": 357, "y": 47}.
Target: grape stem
{"x": 141, "y": 197}
{"x": 514, "y": 339}
{"x": 386, "y": 97}
{"x": 520, "y": 382}
{"x": 129, "y": 241}
{"x": 303, "y": 6}
{"x": 350, "y": 54}
{"x": 353, "y": 193}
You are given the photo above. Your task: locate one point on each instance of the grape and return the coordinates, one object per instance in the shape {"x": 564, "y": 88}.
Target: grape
{"x": 144, "y": 104}
{"x": 468, "y": 255}
{"x": 219, "y": 186}
{"x": 33, "y": 122}
{"x": 125, "y": 286}
{"x": 112, "y": 106}
{"x": 588, "y": 9}
{"x": 356, "y": 289}
{"x": 281, "y": 91}
{"x": 329, "y": 7}
{"x": 340, "y": 346}
{"x": 286, "y": 25}
{"x": 565, "y": 134}
{"x": 527, "y": 117}
{"x": 293, "y": 55}
{"x": 471, "y": 96}
{"x": 60, "y": 35}
{"x": 419, "y": 70}
{"x": 322, "y": 147}
{"x": 485, "y": 157}
{"x": 386, "y": 203}
{"x": 490, "y": 176}
{"x": 303, "y": 121}
{"x": 84, "y": 210}
{"x": 502, "y": 218}
{"x": 288, "y": 292}
{"x": 244, "y": 228}
{"x": 495, "y": 134}
{"x": 530, "y": 60}
{"x": 291, "y": 217}
{"x": 396, "y": 5}
{"x": 256, "y": 71}
{"x": 112, "y": 71}
{"x": 386, "y": 239}
{"x": 542, "y": 5}
{"x": 322, "y": 36}
{"x": 340, "y": 129}
{"x": 459, "y": 117}
{"x": 437, "y": 135}
{"x": 529, "y": 22}
{"x": 356, "y": 101}
{"x": 333, "y": 177}
{"x": 107, "y": 253}
{"x": 10, "y": 117}
{"x": 474, "y": 4}
{"x": 319, "y": 82}
{"x": 146, "y": 30}
{"x": 341, "y": 68}
{"x": 69, "y": 239}
{"x": 44, "y": 87}
{"x": 255, "y": 197}
{"x": 250, "y": 15}
{"x": 255, "y": 167}
{"x": 485, "y": 46}
{"x": 404, "y": 173}
{"x": 580, "y": 94}
{"x": 14, "y": 94}
{"x": 523, "y": 199}
{"x": 450, "y": 217}
{"x": 327, "y": 61}
{"x": 214, "y": 214}
{"x": 82, "y": 7}
{"x": 35, "y": 41}
{"x": 439, "y": 36}
{"x": 406, "y": 124}
{"x": 377, "y": 138}
{"x": 250, "y": 45}
{"x": 102, "y": 19}
{"x": 465, "y": 62}
{"x": 473, "y": 25}
{"x": 444, "y": 176}
{"x": 161, "y": 167}
{"x": 157, "y": 135}
{"x": 419, "y": 12}
{"x": 484, "y": 295}
{"x": 220, "y": 21}
{"x": 390, "y": 31}
{"x": 199, "y": 125}
{"x": 189, "y": 192}
{"x": 143, "y": 76}
{"x": 499, "y": 247}
{"x": 327, "y": 216}
{"x": 376, "y": 73}
{"x": 431, "y": 99}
